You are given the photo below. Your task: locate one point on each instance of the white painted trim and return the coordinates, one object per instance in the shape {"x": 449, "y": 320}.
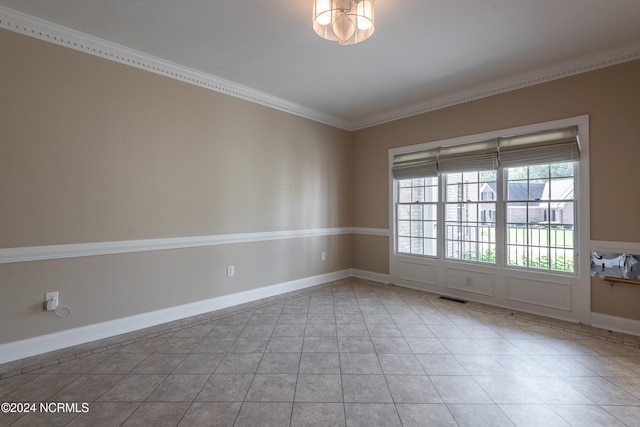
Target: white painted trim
{"x": 40, "y": 253}
{"x": 583, "y": 268}
{"x": 31, "y": 26}
{"x": 370, "y": 275}
{"x": 382, "y": 232}
{"x": 33, "y": 346}
{"x": 581, "y": 295}
{"x": 63, "y": 36}
{"x": 583, "y": 65}
{"x": 615, "y": 247}
{"x": 616, "y": 324}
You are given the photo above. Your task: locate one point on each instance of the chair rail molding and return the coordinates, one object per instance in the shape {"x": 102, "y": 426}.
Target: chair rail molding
{"x": 74, "y": 250}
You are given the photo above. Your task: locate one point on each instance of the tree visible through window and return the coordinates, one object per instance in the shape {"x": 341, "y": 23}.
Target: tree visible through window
{"x": 540, "y": 216}
{"x": 458, "y": 201}
{"x": 470, "y": 231}
{"x": 539, "y": 208}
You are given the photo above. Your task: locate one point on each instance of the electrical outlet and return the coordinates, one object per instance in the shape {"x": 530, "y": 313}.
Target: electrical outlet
{"x": 231, "y": 270}
{"x": 324, "y": 256}
{"x": 51, "y": 300}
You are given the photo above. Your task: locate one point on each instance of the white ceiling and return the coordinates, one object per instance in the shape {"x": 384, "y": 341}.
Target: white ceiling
{"x": 423, "y": 52}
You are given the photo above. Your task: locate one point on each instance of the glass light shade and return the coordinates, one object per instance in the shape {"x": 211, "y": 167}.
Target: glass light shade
{"x": 343, "y": 27}
{"x": 364, "y": 11}
{"x": 322, "y": 12}
{"x": 345, "y": 21}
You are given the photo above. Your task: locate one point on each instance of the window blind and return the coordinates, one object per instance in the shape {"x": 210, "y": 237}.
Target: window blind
{"x": 553, "y": 146}
{"x": 478, "y": 156}
{"x": 421, "y": 164}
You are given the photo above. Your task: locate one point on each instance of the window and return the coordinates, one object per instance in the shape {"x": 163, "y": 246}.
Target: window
{"x": 417, "y": 216}
{"x": 518, "y": 191}
{"x": 540, "y": 210}
{"x": 488, "y": 194}
{"x": 470, "y": 232}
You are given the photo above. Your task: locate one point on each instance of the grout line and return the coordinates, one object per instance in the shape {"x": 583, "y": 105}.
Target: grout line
{"x": 171, "y": 328}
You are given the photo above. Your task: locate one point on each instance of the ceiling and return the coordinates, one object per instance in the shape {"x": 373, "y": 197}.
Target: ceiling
{"x": 423, "y": 53}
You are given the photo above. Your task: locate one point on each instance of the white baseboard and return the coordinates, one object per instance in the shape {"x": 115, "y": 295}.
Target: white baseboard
{"x": 369, "y": 275}
{"x": 616, "y": 324}
{"x": 43, "y": 344}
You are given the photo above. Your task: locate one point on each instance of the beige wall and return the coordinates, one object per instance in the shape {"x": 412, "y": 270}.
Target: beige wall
{"x": 611, "y": 98}
{"x": 95, "y": 151}
{"x": 103, "y": 288}
{"x": 619, "y": 300}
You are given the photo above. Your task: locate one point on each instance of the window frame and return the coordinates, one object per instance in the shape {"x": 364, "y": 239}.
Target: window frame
{"x": 443, "y": 204}
{"x": 547, "y": 221}
{"x": 422, "y": 204}
{"x": 582, "y": 234}
{"x": 464, "y": 201}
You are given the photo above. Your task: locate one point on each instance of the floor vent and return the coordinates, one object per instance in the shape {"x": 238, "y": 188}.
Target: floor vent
{"x": 459, "y": 301}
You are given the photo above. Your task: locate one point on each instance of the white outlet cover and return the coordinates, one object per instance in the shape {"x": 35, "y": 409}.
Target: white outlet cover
{"x": 53, "y": 297}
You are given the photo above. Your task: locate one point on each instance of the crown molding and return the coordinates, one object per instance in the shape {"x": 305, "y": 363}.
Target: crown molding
{"x": 583, "y": 65}
{"x": 31, "y": 26}
{"x": 57, "y": 34}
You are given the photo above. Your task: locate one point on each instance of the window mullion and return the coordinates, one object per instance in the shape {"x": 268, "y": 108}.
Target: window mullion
{"x": 441, "y": 219}
{"x": 501, "y": 220}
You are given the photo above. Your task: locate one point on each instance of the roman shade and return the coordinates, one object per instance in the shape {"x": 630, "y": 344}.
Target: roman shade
{"x": 551, "y": 146}
{"x": 420, "y": 164}
{"x": 478, "y": 156}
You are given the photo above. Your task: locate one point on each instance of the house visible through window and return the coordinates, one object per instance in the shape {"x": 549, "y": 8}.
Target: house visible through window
{"x": 529, "y": 180}
{"x": 470, "y": 233}
{"x": 417, "y": 216}
{"x": 540, "y": 216}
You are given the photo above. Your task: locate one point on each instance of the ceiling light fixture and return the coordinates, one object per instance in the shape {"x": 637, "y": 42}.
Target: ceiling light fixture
{"x": 345, "y": 21}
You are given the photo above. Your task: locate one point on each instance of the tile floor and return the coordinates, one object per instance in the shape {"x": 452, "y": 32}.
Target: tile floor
{"x": 352, "y": 353}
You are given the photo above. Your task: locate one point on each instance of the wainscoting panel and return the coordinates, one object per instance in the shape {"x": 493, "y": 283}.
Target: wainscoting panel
{"x": 545, "y": 293}
{"x": 470, "y": 281}
{"x": 417, "y": 272}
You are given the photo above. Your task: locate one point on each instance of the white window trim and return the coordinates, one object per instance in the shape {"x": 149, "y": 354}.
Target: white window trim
{"x": 581, "y": 298}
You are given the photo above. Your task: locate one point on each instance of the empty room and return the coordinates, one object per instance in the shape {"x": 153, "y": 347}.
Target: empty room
{"x": 319, "y": 213}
